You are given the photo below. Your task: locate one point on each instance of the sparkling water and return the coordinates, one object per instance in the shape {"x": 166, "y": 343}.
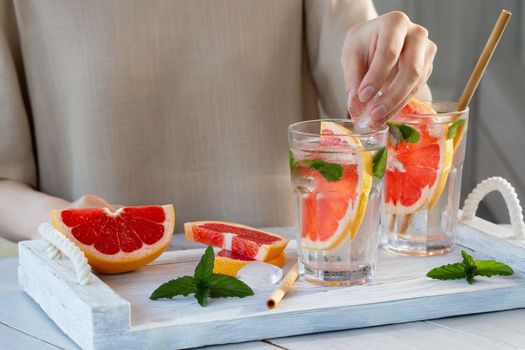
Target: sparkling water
{"x": 350, "y": 260}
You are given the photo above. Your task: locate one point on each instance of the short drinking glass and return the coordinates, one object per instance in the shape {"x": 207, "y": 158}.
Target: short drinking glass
{"x": 423, "y": 177}
{"x": 333, "y": 170}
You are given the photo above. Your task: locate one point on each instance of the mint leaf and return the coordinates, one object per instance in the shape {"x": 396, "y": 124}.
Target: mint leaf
{"x": 204, "y": 269}
{"x": 202, "y": 295}
{"x": 489, "y": 268}
{"x": 223, "y": 286}
{"x": 453, "y": 128}
{"x": 184, "y": 285}
{"x": 447, "y": 272}
{"x": 470, "y": 268}
{"x": 331, "y": 171}
{"x": 410, "y": 135}
{"x": 379, "y": 163}
{"x": 204, "y": 284}
{"x": 291, "y": 159}
{"x": 467, "y": 259}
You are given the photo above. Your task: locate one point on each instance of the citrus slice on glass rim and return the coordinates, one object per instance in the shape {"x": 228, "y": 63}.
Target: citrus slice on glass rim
{"x": 119, "y": 241}
{"x": 417, "y": 173}
{"x": 334, "y": 210}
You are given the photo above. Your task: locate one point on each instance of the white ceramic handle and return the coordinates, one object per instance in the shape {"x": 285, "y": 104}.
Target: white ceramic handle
{"x": 58, "y": 243}
{"x": 511, "y": 199}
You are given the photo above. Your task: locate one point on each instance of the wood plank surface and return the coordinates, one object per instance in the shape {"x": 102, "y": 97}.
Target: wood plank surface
{"x": 12, "y": 338}
{"x": 416, "y": 336}
{"x": 496, "y": 334}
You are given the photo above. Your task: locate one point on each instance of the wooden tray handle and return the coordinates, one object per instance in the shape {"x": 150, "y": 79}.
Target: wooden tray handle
{"x": 509, "y": 195}
{"x": 58, "y": 243}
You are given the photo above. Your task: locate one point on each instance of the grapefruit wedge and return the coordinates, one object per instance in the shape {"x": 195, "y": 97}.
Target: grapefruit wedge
{"x": 417, "y": 172}
{"x": 229, "y": 263}
{"x": 121, "y": 241}
{"x": 239, "y": 239}
{"x": 333, "y": 211}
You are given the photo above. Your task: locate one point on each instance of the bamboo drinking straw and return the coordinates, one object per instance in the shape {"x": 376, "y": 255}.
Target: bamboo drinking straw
{"x": 483, "y": 60}
{"x": 283, "y": 288}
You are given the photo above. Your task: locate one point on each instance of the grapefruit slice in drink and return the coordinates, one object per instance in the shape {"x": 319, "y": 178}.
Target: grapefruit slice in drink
{"x": 239, "y": 239}
{"x": 229, "y": 263}
{"x": 333, "y": 210}
{"x": 119, "y": 241}
{"x": 417, "y": 172}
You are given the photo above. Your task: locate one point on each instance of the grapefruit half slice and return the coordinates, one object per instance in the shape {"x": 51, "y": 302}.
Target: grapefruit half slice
{"x": 229, "y": 263}
{"x": 117, "y": 242}
{"x": 334, "y": 211}
{"x": 417, "y": 172}
{"x": 239, "y": 239}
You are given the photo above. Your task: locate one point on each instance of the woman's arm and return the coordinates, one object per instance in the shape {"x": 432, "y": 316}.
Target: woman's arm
{"x": 23, "y": 209}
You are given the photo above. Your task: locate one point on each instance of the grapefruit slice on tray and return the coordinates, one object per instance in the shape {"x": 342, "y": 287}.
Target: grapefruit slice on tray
{"x": 229, "y": 263}
{"x": 334, "y": 211}
{"x": 117, "y": 242}
{"x": 240, "y": 239}
{"x": 417, "y": 172}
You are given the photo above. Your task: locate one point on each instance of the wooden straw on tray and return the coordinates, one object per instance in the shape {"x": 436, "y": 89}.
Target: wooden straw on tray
{"x": 283, "y": 288}
{"x": 484, "y": 59}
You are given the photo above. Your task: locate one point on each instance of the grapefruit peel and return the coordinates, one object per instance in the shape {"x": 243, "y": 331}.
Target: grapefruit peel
{"x": 240, "y": 239}
{"x": 121, "y": 261}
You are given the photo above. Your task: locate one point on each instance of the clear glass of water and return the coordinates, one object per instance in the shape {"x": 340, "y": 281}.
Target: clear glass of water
{"x": 423, "y": 179}
{"x": 338, "y": 199}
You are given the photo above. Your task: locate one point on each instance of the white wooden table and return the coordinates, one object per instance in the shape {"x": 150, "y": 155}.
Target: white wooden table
{"x": 23, "y": 325}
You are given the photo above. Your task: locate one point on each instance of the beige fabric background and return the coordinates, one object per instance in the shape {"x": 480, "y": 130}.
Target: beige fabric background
{"x": 183, "y": 102}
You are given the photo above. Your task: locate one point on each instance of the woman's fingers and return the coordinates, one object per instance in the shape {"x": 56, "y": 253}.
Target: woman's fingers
{"x": 353, "y": 61}
{"x": 431, "y": 52}
{"x": 412, "y": 68}
{"x": 91, "y": 201}
{"x": 391, "y": 33}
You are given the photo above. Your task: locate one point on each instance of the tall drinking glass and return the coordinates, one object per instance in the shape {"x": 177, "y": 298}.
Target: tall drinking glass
{"x": 423, "y": 178}
{"x": 338, "y": 199}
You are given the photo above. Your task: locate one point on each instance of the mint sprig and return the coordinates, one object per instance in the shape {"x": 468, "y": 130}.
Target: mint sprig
{"x": 291, "y": 160}
{"x": 469, "y": 268}
{"x": 453, "y": 128}
{"x": 409, "y": 134}
{"x": 331, "y": 171}
{"x": 204, "y": 284}
{"x": 379, "y": 163}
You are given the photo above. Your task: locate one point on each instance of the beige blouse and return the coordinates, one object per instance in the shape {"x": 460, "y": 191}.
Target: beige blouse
{"x": 183, "y": 102}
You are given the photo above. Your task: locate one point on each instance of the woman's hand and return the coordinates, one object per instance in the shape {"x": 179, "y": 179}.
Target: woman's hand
{"x": 388, "y": 54}
{"x": 23, "y": 209}
{"x": 92, "y": 201}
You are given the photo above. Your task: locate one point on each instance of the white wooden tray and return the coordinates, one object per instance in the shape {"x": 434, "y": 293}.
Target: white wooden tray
{"x": 115, "y": 311}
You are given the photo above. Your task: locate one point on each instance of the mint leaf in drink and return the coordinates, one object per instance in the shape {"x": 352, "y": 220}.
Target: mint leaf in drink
{"x": 469, "y": 268}
{"x": 204, "y": 284}
{"x": 291, "y": 159}
{"x": 453, "y": 128}
{"x": 331, "y": 171}
{"x": 447, "y": 272}
{"x": 379, "y": 163}
{"x": 204, "y": 269}
{"x": 184, "y": 285}
{"x": 489, "y": 268}
{"x": 224, "y": 286}
{"x": 410, "y": 135}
